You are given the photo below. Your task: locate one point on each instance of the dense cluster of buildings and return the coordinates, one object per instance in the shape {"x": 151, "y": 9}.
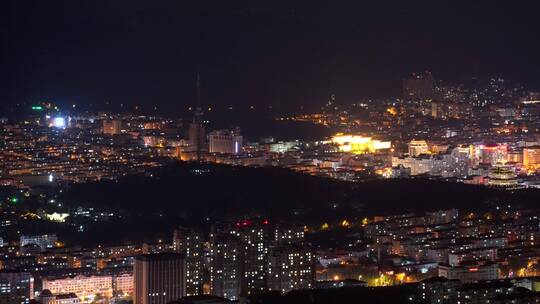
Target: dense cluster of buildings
{"x": 236, "y": 260}
{"x": 449, "y": 256}
{"x": 81, "y": 149}
{"x": 483, "y": 132}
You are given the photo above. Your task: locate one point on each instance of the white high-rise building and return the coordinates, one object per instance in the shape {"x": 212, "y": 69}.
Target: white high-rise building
{"x": 189, "y": 242}
{"x": 225, "y": 141}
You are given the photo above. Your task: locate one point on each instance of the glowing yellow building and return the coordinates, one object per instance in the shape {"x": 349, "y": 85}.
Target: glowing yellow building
{"x": 359, "y": 144}
{"x": 531, "y": 157}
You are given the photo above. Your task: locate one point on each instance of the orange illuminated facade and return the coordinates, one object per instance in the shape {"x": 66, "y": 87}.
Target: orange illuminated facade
{"x": 531, "y": 157}
{"x": 357, "y": 144}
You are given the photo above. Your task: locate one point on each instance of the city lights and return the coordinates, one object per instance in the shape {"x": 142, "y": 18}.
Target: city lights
{"x": 221, "y": 152}
{"x": 359, "y": 144}
{"x": 59, "y": 122}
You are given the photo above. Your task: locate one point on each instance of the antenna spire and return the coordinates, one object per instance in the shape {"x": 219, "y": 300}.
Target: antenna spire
{"x": 198, "y": 90}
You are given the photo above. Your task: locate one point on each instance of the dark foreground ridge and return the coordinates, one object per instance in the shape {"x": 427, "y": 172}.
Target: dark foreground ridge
{"x": 190, "y": 194}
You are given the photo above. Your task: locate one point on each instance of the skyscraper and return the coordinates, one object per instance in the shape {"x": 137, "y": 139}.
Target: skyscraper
{"x": 291, "y": 263}
{"x": 159, "y": 278}
{"x": 252, "y": 257}
{"x": 247, "y": 241}
{"x": 254, "y": 238}
{"x": 189, "y": 243}
{"x": 226, "y": 266}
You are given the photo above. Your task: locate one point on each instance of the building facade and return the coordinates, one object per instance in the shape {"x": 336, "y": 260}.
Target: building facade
{"x": 159, "y": 278}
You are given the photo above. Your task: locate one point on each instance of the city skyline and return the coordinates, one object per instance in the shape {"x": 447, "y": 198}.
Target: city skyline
{"x": 195, "y": 152}
{"x": 283, "y": 54}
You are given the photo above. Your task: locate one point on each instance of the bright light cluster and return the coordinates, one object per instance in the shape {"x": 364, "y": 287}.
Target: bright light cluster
{"x": 359, "y": 144}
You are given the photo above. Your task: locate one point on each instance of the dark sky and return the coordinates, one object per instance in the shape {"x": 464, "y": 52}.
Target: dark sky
{"x": 256, "y": 52}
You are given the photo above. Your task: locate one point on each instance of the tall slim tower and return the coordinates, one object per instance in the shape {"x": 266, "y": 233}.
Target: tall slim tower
{"x": 196, "y": 129}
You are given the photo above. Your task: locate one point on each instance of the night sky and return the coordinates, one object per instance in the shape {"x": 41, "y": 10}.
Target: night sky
{"x": 256, "y": 52}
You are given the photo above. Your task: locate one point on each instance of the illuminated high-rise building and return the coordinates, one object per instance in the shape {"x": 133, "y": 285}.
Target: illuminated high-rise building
{"x": 418, "y": 86}
{"x": 288, "y": 234}
{"x": 291, "y": 267}
{"x": 226, "y": 266}
{"x": 189, "y": 242}
{"x": 254, "y": 240}
{"x": 291, "y": 264}
{"x": 252, "y": 257}
{"x": 159, "y": 278}
{"x": 225, "y": 141}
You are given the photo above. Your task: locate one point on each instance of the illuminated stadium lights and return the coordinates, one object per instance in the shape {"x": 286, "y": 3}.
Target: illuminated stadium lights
{"x": 359, "y": 144}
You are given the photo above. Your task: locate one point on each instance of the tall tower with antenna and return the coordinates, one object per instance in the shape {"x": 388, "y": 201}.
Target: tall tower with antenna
{"x": 196, "y": 128}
